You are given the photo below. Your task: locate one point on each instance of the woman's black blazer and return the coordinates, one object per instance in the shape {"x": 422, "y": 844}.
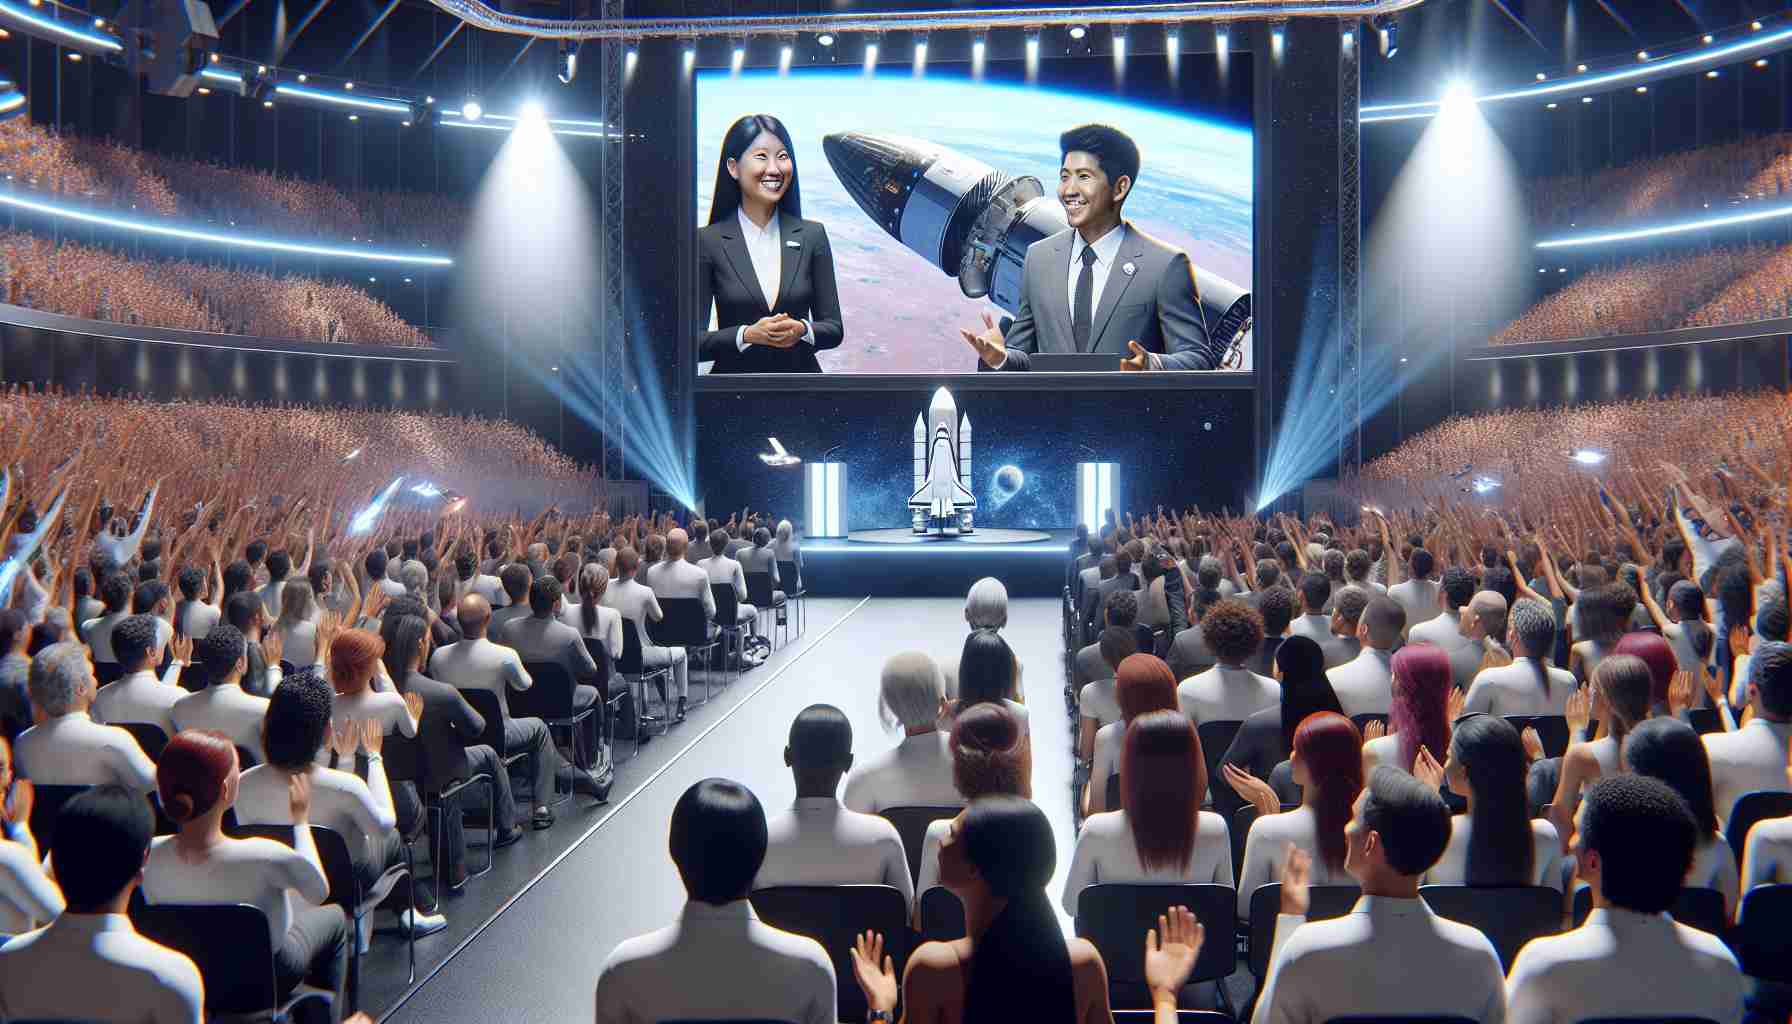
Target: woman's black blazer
{"x": 806, "y": 291}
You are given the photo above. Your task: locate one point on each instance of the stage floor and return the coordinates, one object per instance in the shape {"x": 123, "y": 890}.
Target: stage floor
{"x": 896, "y": 563}
{"x": 978, "y": 536}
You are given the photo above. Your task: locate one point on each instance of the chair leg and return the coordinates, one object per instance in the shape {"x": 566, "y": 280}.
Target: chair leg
{"x": 491, "y": 830}
{"x": 410, "y": 868}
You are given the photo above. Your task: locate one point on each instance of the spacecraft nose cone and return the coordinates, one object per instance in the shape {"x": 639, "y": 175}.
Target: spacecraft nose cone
{"x": 879, "y": 173}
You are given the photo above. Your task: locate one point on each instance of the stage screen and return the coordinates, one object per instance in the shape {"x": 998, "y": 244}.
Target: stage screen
{"x": 931, "y": 191}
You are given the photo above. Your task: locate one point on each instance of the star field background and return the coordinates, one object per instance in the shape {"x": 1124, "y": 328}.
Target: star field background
{"x": 1189, "y": 442}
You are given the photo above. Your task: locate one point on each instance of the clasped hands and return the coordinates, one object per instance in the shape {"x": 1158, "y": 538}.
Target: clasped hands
{"x": 779, "y": 330}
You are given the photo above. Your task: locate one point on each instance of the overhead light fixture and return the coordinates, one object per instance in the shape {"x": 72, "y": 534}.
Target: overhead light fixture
{"x": 214, "y": 58}
{"x": 267, "y": 104}
{"x": 1347, "y": 40}
{"x": 350, "y": 86}
{"x": 338, "y": 99}
{"x": 1119, "y": 44}
{"x": 472, "y": 110}
{"x": 1549, "y": 106}
{"x": 1755, "y": 25}
{"x": 566, "y": 61}
{"x": 1580, "y": 67}
{"x": 739, "y": 58}
{"x": 1642, "y": 55}
{"x": 1586, "y": 99}
{"x": 786, "y": 53}
{"x": 1709, "y": 38}
{"x": 1387, "y": 29}
{"x": 690, "y": 54}
{"x": 870, "y": 54}
{"x": 354, "y": 117}
{"x": 1541, "y": 76}
{"x": 1222, "y": 40}
{"x": 74, "y": 55}
{"x": 1173, "y": 39}
{"x": 71, "y": 31}
{"x": 304, "y": 77}
{"x": 532, "y": 113}
{"x": 1711, "y": 74}
{"x": 99, "y": 23}
{"x": 203, "y": 91}
{"x": 920, "y": 53}
{"x": 1642, "y": 88}
{"x": 1078, "y": 31}
{"x": 825, "y": 39}
{"x": 1761, "y": 62}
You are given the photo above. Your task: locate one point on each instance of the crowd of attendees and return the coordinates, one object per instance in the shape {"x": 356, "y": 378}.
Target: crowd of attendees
{"x": 96, "y": 283}
{"x": 1710, "y": 177}
{"x": 109, "y": 172}
{"x": 1737, "y": 284}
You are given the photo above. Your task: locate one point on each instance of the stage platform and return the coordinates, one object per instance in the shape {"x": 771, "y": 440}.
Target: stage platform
{"x": 897, "y": 563}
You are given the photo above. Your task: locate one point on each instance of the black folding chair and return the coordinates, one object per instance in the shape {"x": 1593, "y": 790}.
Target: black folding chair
{"x": 194, "y": 677}
{"x": 636, "y": 674}
{"x": 1551, "y": 729}
{"x": 1412, "y": 1018}
{"x": 45, "y": 809}
{"x": 1115, "y": 916}
{"x": 149, "y": 736}
{"x": 1216, "y": 739}
{"x": 1111, "y": 792}
{"x": 486, "y": 703}
{"x": 105, "y": 672}
{"x": 686, "y": 625}
{"x": 1694, "y": 907}
{"x": 408, "y": 761}
{"x": 1751, "y": 808}
{"x": 612, "y": 699}
{"x": 794, "y": 591}
{"x": 763, "y": 598}
{"x": 1241, "y": 822}
{"x": 1324, "y": 902}
{"x": 1362, "y": 721}
{"x": 911, "y": 824}
{"x": 727, "y": 623}
{"x": 230, "y": 945}
{"x": 834, "y": 915}
{"x": 1509, "y": 915}
{"x": 1764, "y": 940}
{"x": 553, "y": 697}
{"x": 942, "y": 915}
{"x": 1704, "y": 720}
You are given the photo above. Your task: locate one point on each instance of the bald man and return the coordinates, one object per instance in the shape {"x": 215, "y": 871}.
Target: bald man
{"x": 675, "y": 578}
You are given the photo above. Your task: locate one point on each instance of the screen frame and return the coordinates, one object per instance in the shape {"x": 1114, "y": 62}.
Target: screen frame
{"x": 969, "y": 379}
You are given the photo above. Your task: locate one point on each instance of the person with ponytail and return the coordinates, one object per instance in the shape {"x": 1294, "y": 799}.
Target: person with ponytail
{"x": 1014, "y": 963}
{"x": 989, "y": 758}
{"x": 197, "y": 780}
{"x": 1616, "y": 699}
{"x": 1496, "y": 842}
{"x": 591, "y": 617}
{"x": 1668, "y": 749}
{"x": 1531, "y": 685}
{"x": 1328, "y": 766}
{"x": 1418, "y": 715}
{"x": 1160, "y": 833}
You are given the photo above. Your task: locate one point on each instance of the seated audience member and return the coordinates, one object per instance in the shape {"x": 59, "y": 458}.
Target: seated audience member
{"x": 1190, "y": 654}
{"x": 759, "y": 557}
{"x": 193, "y": 616}
{"x": 1599, "y": 622}
{"x": 1767, "y": 852}
{"x": 355, "y": 667}
{"x": 989, "y": 757}
{"x": 516, "y": 580}
{"x": 1530, "y": 685}
{"x": 223, "y": 706}
{"x": 1343, "y": 643}
{"x": 67, "y": 747}
{"x": 87, "y": 605}
{"x": 638, "y": 605}
{"x": 676, "y": 578}
{"x": 542, "y": 637}
{"x": 1328, "y": 766}
{"x": 298, "y": 622}
{"x": 1313, "y": 622}
{"x": 717, "y": 962}
{"x": 1658, "y": 654}
{"x": 727, "y": 572}
{"x": 1229, "y": 692}
{"x": 1364, "y": 685}
{"x": 1619, "y": 698}
{"x": 15, "y": 673}
{"x": 115, "y": 591}
{"x": 1015, "y": 964}
{"x": 297, "y": 724}
{"x": 89, "y": 964}
{"x": 988, "y": 673}
{"x": 476, "y": 581}
{"x": 1418, "y": 712}
{"x": 27, "y": 898}
{"x": 594, "y": 619}
{"x": 1754, "y": 756}
{"x": 1417, "y": 596}
{"x": 1142, "y": 683}
{"x": 1634, "y": 845}
{"x": 1669, "y": 750}
{"x": 138, "y": 696}
{"x": 819, "y": 842}
{"x": 1095, "y": 701}
{"x": 1454, "y": 593}
{"x": 1390, "y": 956}
{"x": 1496, "y": 842}
{"x": 1483, "y": 626}
{"x": 1276, "y": 606}
{"x": 1266, "y": 737}
{"x": 786, "y": 549}
{"x": 244, "y": 611}
{"x": 917, "y": 772}
{"x": 1160, "y": 834}
{"x": 198, "y": 782}
{"x": 986, "y": 605}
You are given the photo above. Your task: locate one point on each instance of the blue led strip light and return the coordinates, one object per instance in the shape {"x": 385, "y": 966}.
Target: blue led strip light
{"x": 62, "y": 29}
{"x": 215, "y": 237}
{"x": 1583, "y": 83}
{"x": 343, "y": 99}
{"x": 1722, "y": 220}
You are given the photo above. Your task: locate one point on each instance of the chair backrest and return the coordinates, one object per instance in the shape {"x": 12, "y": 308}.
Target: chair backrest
{"x": 46, "y": 807}
{"x": 911, "y": 824}
{"x": 1416, "y": 1018}
{"x": 1763, "y": 939}
{"x": 105, "y": 672}
{"x": 1551, "y": 729}
{"x": 685, "y": 623}
{"x": 486, "y": 703}
{"x": 1362, "y": 721}
{"x": 1645, "y": 1020}
{"x": 787, "y": 572}
{"x": 601, "y": 656}
{"x": 1112, "y": 793}
{"x": 149, "y": 736}
{"x": 727, "y": 604}
{"x": 1115, "y": 916}
{"x": 1509, "y": 915}
{"x": 549, "y": 696}
{"x": 1324, "y": 902}
{"x": 194, "y": 677}
{"x": 1704, "y": 720}
{"x": 407, "y": 760}
{"x": 1751, "y": 808}
{"x": 332, "y": 852}
{"x": 1694, "y": 907}
{"x": 629, "y": 661}
{"x": 759, "y": 589}
{"x": 942, "y": 915}
{"x": 1216, "y": 739}
{"x": 832, "y": 915}
{"x": 228, "y": 942}
{"x": 1242, "y": 820}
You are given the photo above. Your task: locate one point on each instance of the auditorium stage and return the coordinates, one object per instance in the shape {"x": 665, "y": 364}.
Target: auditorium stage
{"x": 897, "y": 563}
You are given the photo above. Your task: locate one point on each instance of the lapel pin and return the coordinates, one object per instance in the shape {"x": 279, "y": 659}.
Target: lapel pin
{"x": 1127, "y": 268}
{"x": 794, "y": 245}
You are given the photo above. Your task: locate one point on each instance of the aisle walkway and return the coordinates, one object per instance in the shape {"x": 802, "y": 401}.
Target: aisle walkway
{"x": 538, "y": 960}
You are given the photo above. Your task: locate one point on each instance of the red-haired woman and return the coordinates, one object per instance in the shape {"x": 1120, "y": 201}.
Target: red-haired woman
{"x": 1142, "y": 683}
{"x": 1328, "y": 766}
{"x": 355, "y": 669}
{"x": 1419, "y": 715}
{"x": 1160, "y": 834}
{"x": 197, "y": 778}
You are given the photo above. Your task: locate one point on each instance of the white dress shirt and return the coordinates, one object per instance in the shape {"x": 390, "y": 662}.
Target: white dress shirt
{"x": 259, "y": 872}
{"x": 1226, "y": 693}
{"x": 722, "y": 569}
{"x": 28, "y": 899}
{"x": 1387, "y": 957}
{"x": 819, "y": 842}
{"x": 1624, "y": 964}
{"x": 140, "y": 697}
{"x": 1514, "y": 690}
{"x": 1097, "y": 701}
{"x": 1105, "y": 852}
{"x": 1265, "y": 847}
{"x": 95, "y": 967}
{"x": 1418, "y": 598}
{"x": 1767, "y": 854}
{"x": 480, "y": 665}
{"x": 74, "y": 750}
{"x": 1444, "y": 630}
{"x": 386, "y": 707}
{"x": 269, "y": 593}
{"x": 1546, "y": 855}
{"x": 1714, "y": 867}
{"x": 299, "y": 641}
{"x": 1106, "y": 759}
{"x": 637, "y": 603}
{"x": 1313, "y": 626}
{"x": 606, "y": 625}
{"x": 358, "y": 811}
{"x": 198, "y": 619}
{"x": 98, "y": 634}
{"x": 1753, "y": 757}
{"x": 681, "y": 579}
{"x": 717, "y": 963}
{"x": 1107, "y": 249}
{"x": 1364, "y": 684}
{"x": 489, "y": 587}
{"x": 225, "y": 708}
{"x": 916, "y": 772}
{"x": 765, "y": 247}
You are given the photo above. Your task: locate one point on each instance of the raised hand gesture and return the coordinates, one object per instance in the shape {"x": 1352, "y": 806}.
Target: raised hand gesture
{"x": 1454, "y": 703}
{"x": 1254, "y": 790}
{"x": 1680, "y": 692}
{"x": 273, "y": 645}
{"x": 414, "y": 703}
{"x": 1171, "y": 950}
{"x": 1533, "y": 743}
{"x": 1426, "y": 769}
{"x": 181, "y": 648}
{"x": 298, "y": 797}
{"x": 875, "y": 971}
{"x": 1297, "y": 873}
{"x": 988, "y": 343}
{"x": 373, "y": 735}
{"x": 1579, "y": 710}
{"x": 344, "y": 735}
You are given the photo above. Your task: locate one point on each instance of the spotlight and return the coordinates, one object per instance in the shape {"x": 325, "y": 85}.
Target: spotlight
{"x": 870, "y": 55}
{"x": 1277, "y": 37}
{"x": 920, "y": 53}
{"x": 566, "y": 61}
{"x": 786, "y": 50}
{"x": 471, "y": 109}
{"x": 1586, "y": 99}
{"x": 1119, "y": 45}
{"x": 1032, "y": 47}
{"x": 74, "y": 56}
{"x": 1387, "y": 28}
{"x": 1458, "y": 95}
{"x": 978, "y": 46}
{"x": 99, "y": 23}
{"x": 267, "y": 104}
{"x": 1078, "y": 31}
{"x": 1761, "y": 62}
{"x": 739, "y": 57}
{"x": 1710, "y": 74}
{"x": 690, "y": 53}
{"x": 261, "y": 69}
{"x": 1580, "y": 67}
{"x": 1642, "y": 88}
{"x": 825, "y": 39}
{"x": 354, "y": 117}
{"x": 1587, "y": 456}
{"x": 1549, "y": 106}
{"x": 1222, "y": 40}
{"x": 304, "y": 77}
{"x": 1642, "y": 55}
{"x": 214, "y": 58}
{"x": 1173, "y": 40}
{"x": 203, "y": 91}
{"x": 1708, "y": 39}
{"x": 350, "y": 86}
{"x": 1541, "y": 76}
{"x": 426, "y": 99}
{"x": 533, "y": 114}
{"x": 1755, "y": 25}
{"x": 1347, "y": 40}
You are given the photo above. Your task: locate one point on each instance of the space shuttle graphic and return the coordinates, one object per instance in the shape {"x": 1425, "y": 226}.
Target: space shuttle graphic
{"x": 942, "y": 497}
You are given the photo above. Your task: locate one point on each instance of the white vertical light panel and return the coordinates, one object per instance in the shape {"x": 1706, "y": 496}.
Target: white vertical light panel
{"x": 1094, "y": 492}
{"x": 824, "y": 494}
{"x": 834, "y": 497}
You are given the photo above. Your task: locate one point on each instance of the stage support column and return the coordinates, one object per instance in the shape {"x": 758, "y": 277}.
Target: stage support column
{"x": 612, "y": 258}
{"x": 1350, "y": 292}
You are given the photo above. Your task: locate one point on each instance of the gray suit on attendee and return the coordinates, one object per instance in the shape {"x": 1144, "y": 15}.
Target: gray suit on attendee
{"x": 1189, "y": 654}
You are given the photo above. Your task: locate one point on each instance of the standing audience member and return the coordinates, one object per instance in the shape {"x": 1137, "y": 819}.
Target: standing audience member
{"x": 917, "y": 772}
